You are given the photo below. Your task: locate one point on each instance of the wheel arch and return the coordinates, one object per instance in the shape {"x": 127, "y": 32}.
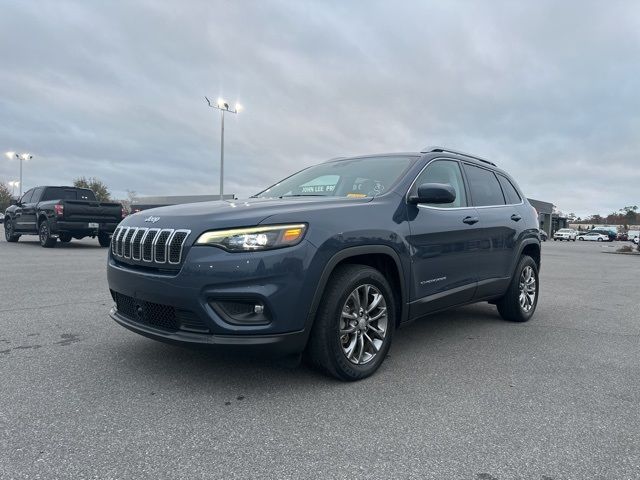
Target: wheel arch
{"x": 381, "y": 257}
{"x": 531, "y": 248}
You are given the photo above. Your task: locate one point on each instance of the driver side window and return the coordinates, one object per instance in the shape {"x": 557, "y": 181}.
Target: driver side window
{"x": 447, "y": 172}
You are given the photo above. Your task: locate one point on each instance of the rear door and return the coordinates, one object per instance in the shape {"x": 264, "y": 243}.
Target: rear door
{"x": 442, "y": 243}
{"x": 500, "y": 223}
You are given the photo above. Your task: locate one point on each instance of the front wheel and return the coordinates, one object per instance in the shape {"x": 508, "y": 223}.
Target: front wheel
{"x": 354, "y": 325}
{"x": 581, "y": 239}
{"x": 10, "y": 234}
{"x": 104, "y": 239}
{"x": 45, "y": 235}
{"x": 521, "y": 299}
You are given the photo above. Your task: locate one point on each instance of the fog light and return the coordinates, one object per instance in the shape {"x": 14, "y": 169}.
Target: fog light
{"x": 241, "y": 311}
{"x": 258, "y": 308}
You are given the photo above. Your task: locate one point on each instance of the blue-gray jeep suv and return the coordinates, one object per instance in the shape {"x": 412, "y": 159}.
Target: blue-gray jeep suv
{"x": 331, "y": 260}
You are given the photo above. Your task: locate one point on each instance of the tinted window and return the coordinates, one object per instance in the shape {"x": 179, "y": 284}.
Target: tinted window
{"x": 26, "y": 198}
{"x": 36, "y": 195}
{"x": 443, "y": 171}
{"x": 61, "y": 193}
{"x": 510, "y": 192}
{"x": 484, "y": 186}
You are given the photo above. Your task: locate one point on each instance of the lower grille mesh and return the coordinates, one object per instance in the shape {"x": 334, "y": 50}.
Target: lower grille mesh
{"x": 159, "y": 316}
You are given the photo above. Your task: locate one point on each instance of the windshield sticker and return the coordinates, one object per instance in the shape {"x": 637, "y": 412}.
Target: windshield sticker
{"x": 317, "y": 188}
{"x": 356, "y": 195}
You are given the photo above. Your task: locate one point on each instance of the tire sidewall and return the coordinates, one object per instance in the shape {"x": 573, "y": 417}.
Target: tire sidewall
{"x": 525, "y": 262}
{"x": 47, "y": 240}
{"x": 373, "y": 277}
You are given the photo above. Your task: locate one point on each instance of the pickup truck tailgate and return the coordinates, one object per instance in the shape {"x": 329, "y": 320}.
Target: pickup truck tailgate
{"x": 84, "y": 211}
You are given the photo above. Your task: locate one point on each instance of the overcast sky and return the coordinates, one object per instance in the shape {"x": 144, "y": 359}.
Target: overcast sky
{"x": 549, "y": 90}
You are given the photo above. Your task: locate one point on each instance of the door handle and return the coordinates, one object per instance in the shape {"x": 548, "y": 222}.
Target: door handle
{"x": 470, "y": 220}
{"x": 515, "y": 217}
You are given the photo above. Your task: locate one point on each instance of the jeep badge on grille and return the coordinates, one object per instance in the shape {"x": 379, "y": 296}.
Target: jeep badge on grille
{"x": 152, "y": 219}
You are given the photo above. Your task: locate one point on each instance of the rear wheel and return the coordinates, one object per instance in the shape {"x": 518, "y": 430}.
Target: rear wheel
{"x": 521, "y": 299}
{"x": 104, "y": 239}
{"x": 10, "y": 234}
{"x": 45, "y": 235}
{"x": 599, "y": 239}
{"x": 354, "y": 325}
{"x": 65, "y": 237}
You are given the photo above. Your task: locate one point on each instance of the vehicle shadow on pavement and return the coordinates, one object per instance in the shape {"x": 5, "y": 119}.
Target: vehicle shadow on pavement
{"x": 210, "y": 368}
{"x": 33, "y": 243}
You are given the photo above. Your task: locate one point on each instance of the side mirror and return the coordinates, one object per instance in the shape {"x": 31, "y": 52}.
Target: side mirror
{"x": 434, "y": 193}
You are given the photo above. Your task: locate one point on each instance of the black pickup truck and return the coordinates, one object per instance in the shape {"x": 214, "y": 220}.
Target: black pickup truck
{"x": 61, "y": 213}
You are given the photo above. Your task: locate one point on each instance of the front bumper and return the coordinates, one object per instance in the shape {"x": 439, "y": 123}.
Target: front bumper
{"x": 281, "y": 280}
{"x": 280, "y": 344}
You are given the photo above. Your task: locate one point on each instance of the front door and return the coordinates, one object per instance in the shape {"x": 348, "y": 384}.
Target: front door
{"x": 443, "y": 243}
{"x": 24, "y": 220}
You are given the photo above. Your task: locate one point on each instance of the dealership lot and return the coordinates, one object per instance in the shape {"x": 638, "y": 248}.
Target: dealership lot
{"x": 462, "y": 395}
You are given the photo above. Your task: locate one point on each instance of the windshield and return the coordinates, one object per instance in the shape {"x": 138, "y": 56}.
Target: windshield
{"x": 354, "y": 178}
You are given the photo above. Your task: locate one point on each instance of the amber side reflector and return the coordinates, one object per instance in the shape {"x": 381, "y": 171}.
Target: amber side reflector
{"x": 292, "y": 234}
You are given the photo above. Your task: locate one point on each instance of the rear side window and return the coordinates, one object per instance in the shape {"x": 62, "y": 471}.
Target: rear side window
{"x": 484, "y": 186}
{"x": 510, "y": 193}
{"x": 60, "y": 193}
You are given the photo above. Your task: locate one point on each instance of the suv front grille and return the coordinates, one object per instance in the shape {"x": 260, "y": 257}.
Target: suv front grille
{"x": 151, "y": 245}
{"x": 163, "y": 317}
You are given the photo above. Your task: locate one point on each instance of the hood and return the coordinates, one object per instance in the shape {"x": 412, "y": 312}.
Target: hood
{"x": 203, "y": 216}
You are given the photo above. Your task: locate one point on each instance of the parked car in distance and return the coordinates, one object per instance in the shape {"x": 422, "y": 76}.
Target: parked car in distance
{"x": 632, "y": 235}
{"x": 543, "y": 235}
{"x": 565, "y": 234}
{"x": 593, "y": 237}
{"x": 610, "y": 234}
{"x": 331, "y": 260}
{"x": 61, "y": 213}
{"x": 635, "y": 240}
{"x": 622, "y": 236}
{"x": 1, "y": 217}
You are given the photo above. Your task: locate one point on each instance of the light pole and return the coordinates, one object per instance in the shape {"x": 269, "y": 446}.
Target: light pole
{"x": 22, "y": 157}
{"x": 13, "y": 184}
{"x": 223, "y": 106}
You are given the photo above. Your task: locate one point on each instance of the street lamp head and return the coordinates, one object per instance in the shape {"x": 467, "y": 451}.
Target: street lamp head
{"x": 221, "y": 103}
{"x": 10, "y": 155}
{"x": 26, "y": 156}
{"x": 239, "y": 107}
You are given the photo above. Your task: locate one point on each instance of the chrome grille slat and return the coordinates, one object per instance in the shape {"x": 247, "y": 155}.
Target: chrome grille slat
{"x": 126, "y": 242}
{"x": 136, "y": 243}
{"x": 160, "y": 245}
{"x": 149, "y": 245}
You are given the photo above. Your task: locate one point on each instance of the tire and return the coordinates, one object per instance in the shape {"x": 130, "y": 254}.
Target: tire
{"x": 9, "y": 231}
{"x": 599, "y": 239}
{"x": 511, "y": 307}
{"x": 359, "y": 351}
{"x": 44, "y": 234}
{"x": 104, "y": 239}
{"x": 581, "y": 239}
{"x": 65, "y": 237}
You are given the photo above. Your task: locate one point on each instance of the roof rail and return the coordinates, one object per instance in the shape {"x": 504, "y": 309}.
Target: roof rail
{"x": 448, "y": 150}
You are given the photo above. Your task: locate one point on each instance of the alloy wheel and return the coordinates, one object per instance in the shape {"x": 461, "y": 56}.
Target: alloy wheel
{"x": 528, "y": 289}
{"x": 44, "y": 233}
{"x": 363, "y": 324}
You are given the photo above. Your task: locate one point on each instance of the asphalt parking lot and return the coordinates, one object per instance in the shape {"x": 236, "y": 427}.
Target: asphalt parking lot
{"x": 462, "y": 395}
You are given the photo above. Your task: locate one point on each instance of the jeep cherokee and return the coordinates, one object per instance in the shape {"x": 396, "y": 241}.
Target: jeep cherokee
{"x": 331, "y": 260}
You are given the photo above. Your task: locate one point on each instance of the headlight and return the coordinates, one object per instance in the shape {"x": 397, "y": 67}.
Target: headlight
{"x": 254, "y": 238}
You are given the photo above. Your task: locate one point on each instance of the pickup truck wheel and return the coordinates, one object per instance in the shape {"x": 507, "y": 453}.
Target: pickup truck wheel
{"x": 45, "y": 235}
{"x": 65, "y": 237}
{"x": 9, "y": 231}
{"x": 104, "y": 239}
{"x": 521, "y": 299}
{"x": 354, "y": 325}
